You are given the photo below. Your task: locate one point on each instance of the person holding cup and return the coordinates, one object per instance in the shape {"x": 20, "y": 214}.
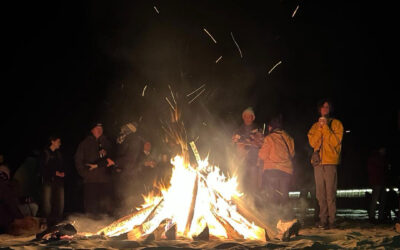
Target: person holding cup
{"x": 325, "y": 137}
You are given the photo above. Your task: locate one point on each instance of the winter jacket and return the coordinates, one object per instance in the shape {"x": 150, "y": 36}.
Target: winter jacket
{"x": 330, "y": 135}
{"x": 50, "y": 162}
{"x": 127, "y": 154}
{"x": 247, "y": 146}
{"x": 88, "y": 153}
{"x": 277, "y": 151}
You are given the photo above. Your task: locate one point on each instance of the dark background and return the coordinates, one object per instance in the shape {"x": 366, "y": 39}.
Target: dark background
{"x": 68, "y": 64}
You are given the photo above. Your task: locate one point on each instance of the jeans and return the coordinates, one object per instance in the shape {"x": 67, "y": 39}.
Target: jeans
{"x": 53, "y": 201}
{"x": 277, "y": 184}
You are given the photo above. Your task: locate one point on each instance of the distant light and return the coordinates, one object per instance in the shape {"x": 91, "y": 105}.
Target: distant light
{"x": 345, "y": 193}
{"x": 347, "y": 131}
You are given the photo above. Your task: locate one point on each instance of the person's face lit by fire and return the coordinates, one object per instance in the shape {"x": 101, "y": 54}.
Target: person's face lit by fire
{"x": 56, "y": 144}
{"x": 248, "y": 118}
{"x": 147, "y": 147}
{"x": 325, "y": 109}
{"x": 97, "y": 131}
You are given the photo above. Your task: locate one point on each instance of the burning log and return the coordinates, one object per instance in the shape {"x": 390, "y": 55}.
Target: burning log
{"x": 171, "y": 233}
{"x": 192, "y": 205}
{"x": 166, "y": 230}
{"x": 231, "y": 232}
{"x": 204, "y": 235}
{"x": 253, "y": 216}
{"x": 143, "y": 229}
{"x": 127, "y": 223}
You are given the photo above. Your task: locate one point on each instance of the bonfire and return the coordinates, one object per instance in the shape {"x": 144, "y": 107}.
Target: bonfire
{"x": 200, "y": 202}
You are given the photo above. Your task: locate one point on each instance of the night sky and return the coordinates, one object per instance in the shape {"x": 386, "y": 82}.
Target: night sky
{"x": 68, "y": 64}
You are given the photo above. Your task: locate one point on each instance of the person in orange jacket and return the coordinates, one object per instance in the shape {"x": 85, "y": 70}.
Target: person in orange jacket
{"x": 325, "y": 137}
{"x": 277, "y": 153}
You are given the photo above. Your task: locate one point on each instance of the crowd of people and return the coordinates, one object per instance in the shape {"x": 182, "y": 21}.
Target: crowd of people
{"x": 268, "y": 161}
{"x": 114, "y": 177}
{"x": 115, "y": 174}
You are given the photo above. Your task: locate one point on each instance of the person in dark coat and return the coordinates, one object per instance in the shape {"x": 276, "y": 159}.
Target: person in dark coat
{"x": 93, "y": 164}
{"x": 52, "y": 173}
{"x": 127, "y": 153}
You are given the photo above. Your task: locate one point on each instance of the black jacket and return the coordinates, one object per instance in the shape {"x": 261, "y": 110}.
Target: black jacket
{"x": 50, "y": 162}
{"x": 88, "y": 153}
{"x": 127, "y": 154}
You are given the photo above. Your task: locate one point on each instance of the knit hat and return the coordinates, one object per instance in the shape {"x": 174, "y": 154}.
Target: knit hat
{"x": 4, "y": 170}
{"x": 250, "y": 111}
{"x": 132, "y": 126}
{"x": 96, "y": 124}
{"x": 275, "y": 122}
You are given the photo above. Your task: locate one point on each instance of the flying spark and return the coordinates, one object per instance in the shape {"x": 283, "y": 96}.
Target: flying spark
{"x": 218, "y": 59}
{"x": 166, "y": 98}
{"x": 208, "y": 33}
{"x": 274, "y": 67}
{"x": 237, "y": 45}
{"x": 196, "y": 90}
{"x": 294, "y": 13}
{"x": 197, "y": 96}
{"x": 172, "y": 94}
{"x": 144, "y": 89}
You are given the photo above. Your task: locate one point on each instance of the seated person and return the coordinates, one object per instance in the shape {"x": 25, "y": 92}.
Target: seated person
{"x": 9, "y": 210}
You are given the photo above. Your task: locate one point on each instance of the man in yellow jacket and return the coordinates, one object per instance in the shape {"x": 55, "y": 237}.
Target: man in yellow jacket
{"x": 325, "y": 137}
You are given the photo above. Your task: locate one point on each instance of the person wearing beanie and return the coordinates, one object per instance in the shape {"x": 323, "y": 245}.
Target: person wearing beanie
{"x": 127, "y": 152}
{"x": 93, "y": 162}
{"x": 247, "y": 140}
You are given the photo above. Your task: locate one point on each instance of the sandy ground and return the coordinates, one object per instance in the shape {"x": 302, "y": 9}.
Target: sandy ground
{"x": 354, "y": 232}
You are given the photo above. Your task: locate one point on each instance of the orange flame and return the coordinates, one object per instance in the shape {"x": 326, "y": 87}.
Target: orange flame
{"x": 213, "y": 206}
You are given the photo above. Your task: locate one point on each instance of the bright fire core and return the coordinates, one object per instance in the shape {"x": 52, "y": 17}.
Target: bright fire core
{"x": 196, "y": 198}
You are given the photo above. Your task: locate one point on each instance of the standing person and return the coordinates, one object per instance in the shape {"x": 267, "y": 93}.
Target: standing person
{"x": 277, "y": 153}
{"x": 146, "y": 166}
{"x": 325, "y": 137}
{"x": 127, "y": 152}
{"x": 92, "y": 162}
{"x": 248, "y": 140}
{"x": 52, "y": 173}
{"x": 377, "y": 169}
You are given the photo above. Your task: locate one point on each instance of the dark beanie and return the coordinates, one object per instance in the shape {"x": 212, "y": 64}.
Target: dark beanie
{"x": 275, "y": 122}
{"x": 95, "y": 124}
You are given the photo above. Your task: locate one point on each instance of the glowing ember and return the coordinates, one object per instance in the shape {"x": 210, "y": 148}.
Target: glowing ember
{"x": 196, "y": 198}
{"x": 269, "y": 72}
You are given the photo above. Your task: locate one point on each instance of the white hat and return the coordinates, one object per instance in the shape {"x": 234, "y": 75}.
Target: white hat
{"x": 131, "y": 127}
{"x": 249, "y": 110}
